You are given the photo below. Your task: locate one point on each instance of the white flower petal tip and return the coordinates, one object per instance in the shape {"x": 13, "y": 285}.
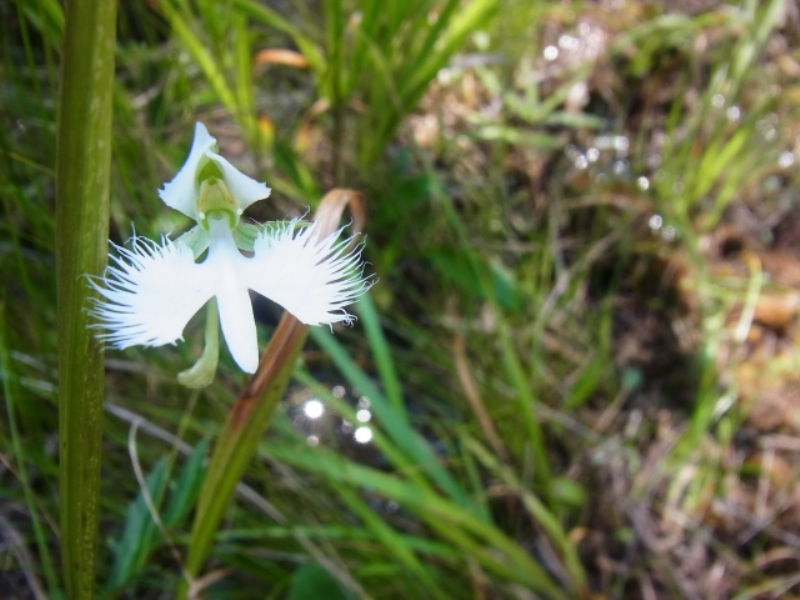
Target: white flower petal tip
{"x": 183, "y": 191}
{"x": 148, "y": 294}
{"x": 312, "y": 278}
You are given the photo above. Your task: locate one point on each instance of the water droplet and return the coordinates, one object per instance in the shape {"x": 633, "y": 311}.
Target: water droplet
{"x": 621, "y": 143}
{"x": 655, "y": 222}
{"x": 734, "y": 113}
{"x": 621, "y": 167}
{"x": 312, "y": 440}
{"x": 363, "y": 402}
{"x": 363, "y": 415}
{"x": 313, "y": 409}
{"x": 593, "y": 154}
{"x": 643, "y": 183}
{"x": 550, "y": 53}
{"x": 578, "y": 96}
{"x": 363, "y": 435}
{"x": 568, "y": 42}
{"x": 581, "y": 162}
{"x": 338, "y": 391}
{"x": 786, "y": 159}
{"x": 668, "y": 233}
{"x": 718, "y": 100}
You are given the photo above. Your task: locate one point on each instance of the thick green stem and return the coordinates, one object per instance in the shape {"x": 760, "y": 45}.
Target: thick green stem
{"x": 82, "y": 185}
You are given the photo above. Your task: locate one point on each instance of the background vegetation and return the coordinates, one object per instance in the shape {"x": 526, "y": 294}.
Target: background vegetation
{"x": 578, "y": 368}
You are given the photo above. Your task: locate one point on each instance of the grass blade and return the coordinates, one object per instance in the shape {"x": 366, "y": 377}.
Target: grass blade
{"x": 202, "y": 57}
{"x": 475, "y": 537}
{"x": 10, "y": 394}
{"x": 266, "y": 15}
{"x": 383, "y": 356}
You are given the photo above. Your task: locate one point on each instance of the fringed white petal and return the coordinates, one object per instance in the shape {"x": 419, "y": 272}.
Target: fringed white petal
{"x": 312, "y": 278}
{"x": 149, "y": 294}
{"x": 181, "y": 192}
{"x": 243, "y": 189}
{"x": 225, "y": 265}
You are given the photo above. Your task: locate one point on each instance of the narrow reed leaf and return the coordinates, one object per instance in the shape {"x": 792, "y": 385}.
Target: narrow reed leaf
{"x": 511, "y": 361}
{"x": 202, "y": 56}
{"x": 383, "y": 356}
{"x": 245, "y": 92}
{"x": 542, "y": 516}
{"x": 82, "y": 210}
{"x": 187, "y": 486}
{"x": 266, "y": 15}
{"x": 140, "y": 532}
{"x": 476, "y": 14}
{"x": 391, "y": 539}
{"x": 481, "y": 540}
{"x": 527, "y": 403}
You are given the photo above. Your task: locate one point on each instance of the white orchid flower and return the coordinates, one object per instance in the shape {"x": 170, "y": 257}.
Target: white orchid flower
{"x": 151, "y": 290}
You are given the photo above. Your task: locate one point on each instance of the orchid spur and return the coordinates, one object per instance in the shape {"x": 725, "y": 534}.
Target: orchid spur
{"x": 150, "y": 291}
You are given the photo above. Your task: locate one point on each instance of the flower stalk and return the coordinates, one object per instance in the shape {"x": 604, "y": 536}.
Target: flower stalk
{"x": 82, "y": 212}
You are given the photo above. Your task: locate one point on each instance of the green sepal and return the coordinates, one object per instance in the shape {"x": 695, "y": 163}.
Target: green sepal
{"x": 197, "y": 239}
{"x": 245, "y": 235}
